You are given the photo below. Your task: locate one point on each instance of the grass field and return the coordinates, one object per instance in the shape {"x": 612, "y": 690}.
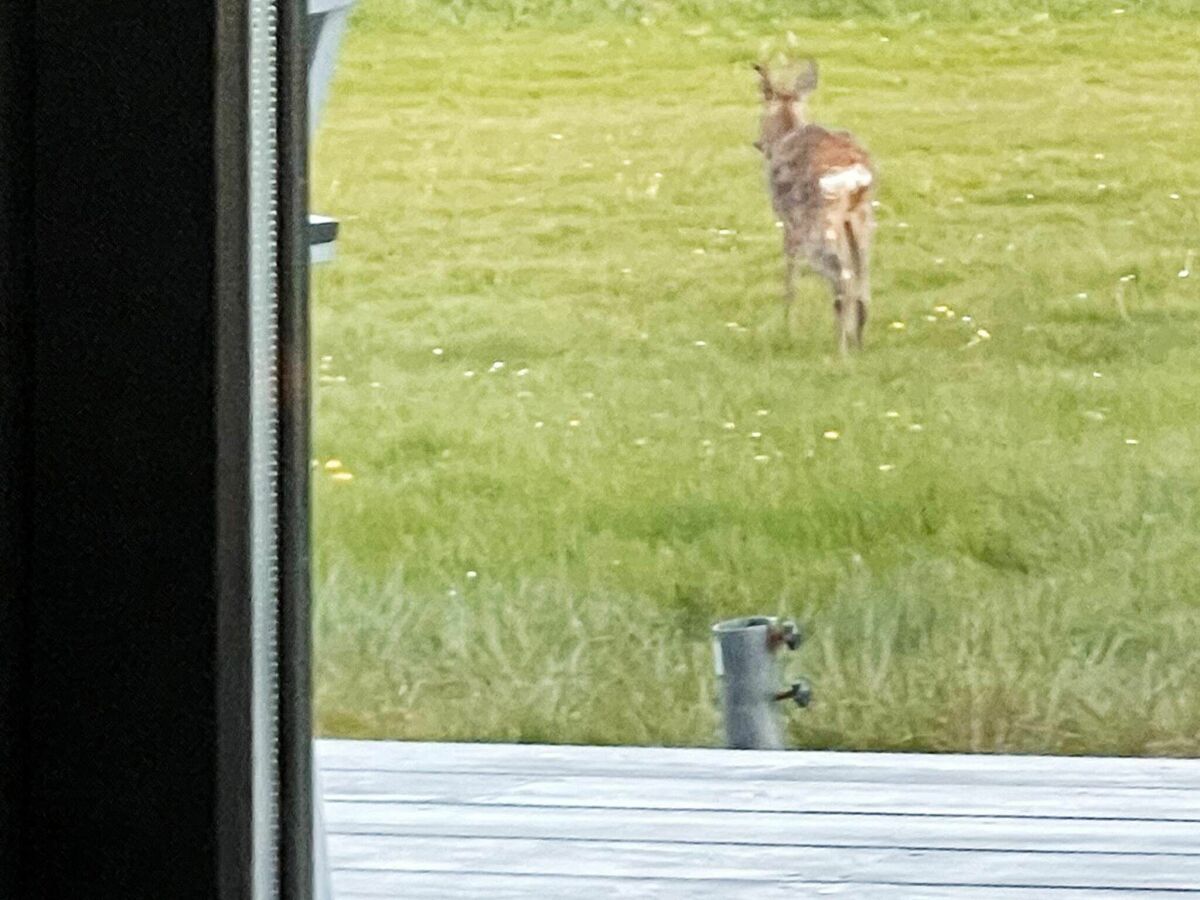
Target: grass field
{"x": 553, "y": 362}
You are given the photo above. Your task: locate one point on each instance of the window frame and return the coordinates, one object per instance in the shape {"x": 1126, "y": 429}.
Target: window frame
{"x": 124, "y": 634}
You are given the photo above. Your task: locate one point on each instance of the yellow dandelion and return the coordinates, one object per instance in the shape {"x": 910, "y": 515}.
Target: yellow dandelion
{"x": 342, "y": 476}
{"x": 333, "y": 464}
{"x": 831, "y": 435}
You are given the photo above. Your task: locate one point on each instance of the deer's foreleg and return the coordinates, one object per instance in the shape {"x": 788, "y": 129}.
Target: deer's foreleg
{"x": 789, "y": 289}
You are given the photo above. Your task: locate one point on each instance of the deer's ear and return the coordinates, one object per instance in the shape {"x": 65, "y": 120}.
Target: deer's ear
{"x": 806, "y": 83}
{"x": 764, "y": 78}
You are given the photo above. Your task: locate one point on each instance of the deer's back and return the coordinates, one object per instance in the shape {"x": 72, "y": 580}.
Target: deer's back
{"x": 799, "y": 161}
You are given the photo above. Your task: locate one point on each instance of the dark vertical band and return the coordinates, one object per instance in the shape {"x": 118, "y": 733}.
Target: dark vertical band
{"x": 295, "y": 759}
{"x": 232, "y": 367}
{"x": 121, "y": 643}
{"x": 16, "y": 309}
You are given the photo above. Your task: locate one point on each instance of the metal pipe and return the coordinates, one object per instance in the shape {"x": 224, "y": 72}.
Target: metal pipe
{"x": 745, "y": 652}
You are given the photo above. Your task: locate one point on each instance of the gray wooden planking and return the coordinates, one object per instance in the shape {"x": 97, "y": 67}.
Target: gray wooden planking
{"x": 754, "y": 828}
{"x": 498, "y": 821}
{"x": 434, "y": 886}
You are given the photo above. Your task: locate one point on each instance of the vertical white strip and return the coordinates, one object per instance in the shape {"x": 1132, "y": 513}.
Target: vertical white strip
{"x": 264, "y": 449}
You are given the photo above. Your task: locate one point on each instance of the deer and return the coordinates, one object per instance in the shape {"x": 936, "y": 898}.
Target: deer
{"x": 821, "y": 185}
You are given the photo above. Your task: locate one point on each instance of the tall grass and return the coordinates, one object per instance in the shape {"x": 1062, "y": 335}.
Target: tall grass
{"x": 553, "y": 362}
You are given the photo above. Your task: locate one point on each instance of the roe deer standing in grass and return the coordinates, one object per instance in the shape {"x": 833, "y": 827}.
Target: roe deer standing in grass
{"x": 821, "y": 183}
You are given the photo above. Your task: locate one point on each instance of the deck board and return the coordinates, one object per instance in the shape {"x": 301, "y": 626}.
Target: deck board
{"x": 498, "y": 821}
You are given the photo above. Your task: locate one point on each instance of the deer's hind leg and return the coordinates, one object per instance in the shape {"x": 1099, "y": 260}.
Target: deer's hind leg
{"x": 789, "y": 290}
{"x": 859, "y": 231}
{"x": 792, "y": 248}
{"x": 829, "y": 258}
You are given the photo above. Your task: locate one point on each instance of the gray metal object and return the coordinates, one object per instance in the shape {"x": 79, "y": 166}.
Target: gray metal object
{"x": 326, "y": 26}
{"x": 322, "y": 234}
{"x": 746, "y": 656}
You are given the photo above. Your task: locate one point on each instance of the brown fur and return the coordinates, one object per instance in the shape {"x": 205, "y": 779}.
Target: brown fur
{"x": 830, "y": 227}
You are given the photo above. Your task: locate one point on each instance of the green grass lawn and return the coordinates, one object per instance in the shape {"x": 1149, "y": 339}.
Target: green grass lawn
{"x": 554, "y": 362}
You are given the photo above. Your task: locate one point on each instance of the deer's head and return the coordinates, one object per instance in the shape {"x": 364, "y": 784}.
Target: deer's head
{"x": 783, "y": 108}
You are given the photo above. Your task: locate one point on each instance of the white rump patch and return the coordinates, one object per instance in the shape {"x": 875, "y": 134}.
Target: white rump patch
{"x": 851, "y": 178}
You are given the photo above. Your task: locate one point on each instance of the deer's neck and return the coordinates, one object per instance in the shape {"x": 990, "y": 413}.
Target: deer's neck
{"x": 785, "y": 129}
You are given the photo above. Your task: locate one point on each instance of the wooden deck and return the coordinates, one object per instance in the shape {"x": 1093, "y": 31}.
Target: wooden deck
{"x": 503, "y": 821}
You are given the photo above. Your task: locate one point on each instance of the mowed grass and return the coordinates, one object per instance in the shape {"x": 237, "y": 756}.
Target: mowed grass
{"x": 554, "y": 362}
